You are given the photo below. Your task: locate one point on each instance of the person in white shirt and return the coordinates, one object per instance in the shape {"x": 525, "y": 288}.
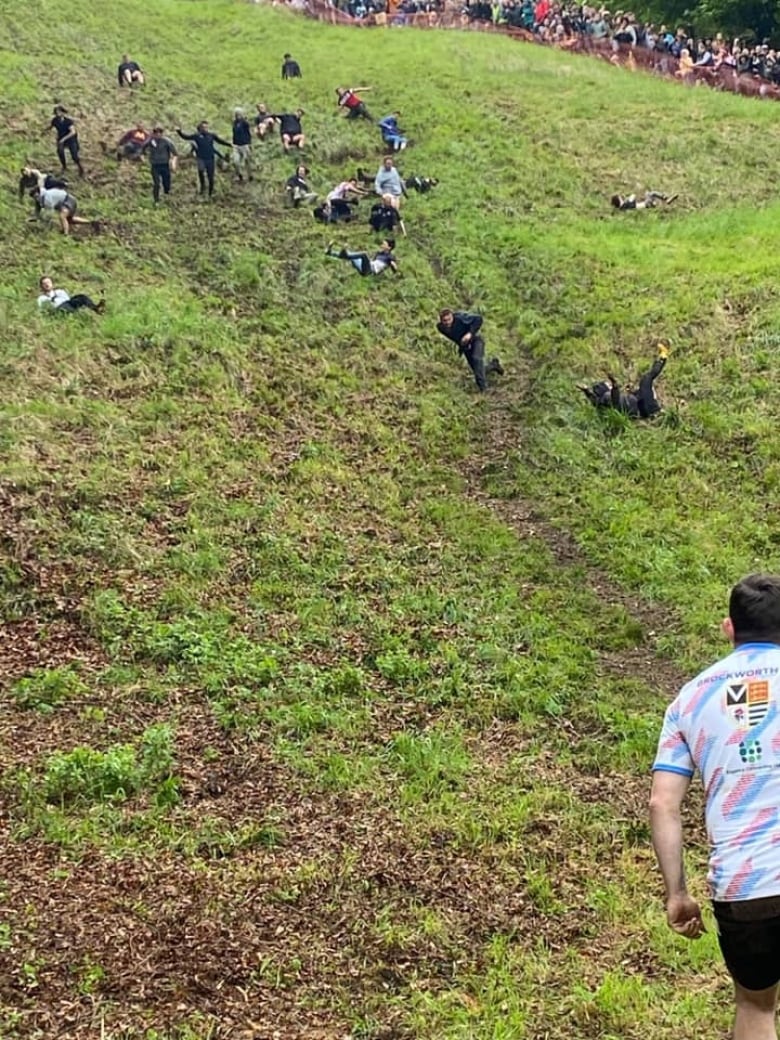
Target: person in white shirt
{"x": 59, "y": 300}
{"x": 59, "y": 201}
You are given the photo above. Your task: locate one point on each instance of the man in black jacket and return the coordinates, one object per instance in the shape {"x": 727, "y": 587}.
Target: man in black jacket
{"x": 464, "y": 329}
{"x": 290, "y": 68}
{"x": 205, "y": 153}
{"x": 636, "y": 404}
{"x": 242, "y": 144}
{"x": 290, "y": 129}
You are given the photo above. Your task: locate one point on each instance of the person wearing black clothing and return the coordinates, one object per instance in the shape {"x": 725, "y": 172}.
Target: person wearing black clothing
{"x": 129, "y": 72}
{"x": 67, "y": 138}
{"x": 385, "y": 217}
{"x": 242, "y": 144}
{"x": 291, "y": 69}
{"x": 636, "y": 404}
{"x": 205, "y": 153}
{"x": 162, "y": 159}
{"x": 463, "y": 328}
{"x": 31, "y": 178}
{"x": 290, "y": 129}
{"x": 297, "y": 187}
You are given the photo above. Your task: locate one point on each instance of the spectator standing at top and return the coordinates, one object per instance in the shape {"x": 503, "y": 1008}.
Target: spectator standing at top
{"x": 162, "y": 160}
{"x": 463, "y": 328}
{"x": 725, "y": 723}
{"x": 388, "y": 181}
{"x": 291, "y": 69}
{"x": 242, "y": 145}
{"x": 290, "y": 129}
{"x": 205, "y": 153}
{"x": 67, "y": 138}
{"x": 130, "y": 72}
{"x": 355, "y": 107}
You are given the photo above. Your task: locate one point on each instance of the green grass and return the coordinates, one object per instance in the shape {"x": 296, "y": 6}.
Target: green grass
{"x": 330, "y": 687}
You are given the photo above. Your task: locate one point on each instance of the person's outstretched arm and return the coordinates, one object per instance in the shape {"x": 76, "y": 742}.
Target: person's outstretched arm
{"x": 219, "y": 140}
{"x": 186, "y": 137}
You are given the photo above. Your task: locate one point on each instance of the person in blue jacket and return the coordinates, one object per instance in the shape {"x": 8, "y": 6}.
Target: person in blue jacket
{"x": 392, "y": 135}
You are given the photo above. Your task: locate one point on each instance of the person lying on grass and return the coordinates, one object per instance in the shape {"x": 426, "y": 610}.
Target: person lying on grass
{"x": 636, "y": 404}
{"x": 30, "y": 178}
{"x": 59, "y": 201}
{"x": 366, "y": 265}
{"x": 650, "y": 201}
{"x": 59, "y": 300}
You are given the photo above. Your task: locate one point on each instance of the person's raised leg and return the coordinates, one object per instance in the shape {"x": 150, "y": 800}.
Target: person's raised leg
{"x": 754, "y": 1017}
{"x": 648, "y": 403}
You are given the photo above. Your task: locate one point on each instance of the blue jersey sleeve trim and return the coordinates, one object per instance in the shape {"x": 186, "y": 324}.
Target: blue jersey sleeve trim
{"x": 661, "y": 768}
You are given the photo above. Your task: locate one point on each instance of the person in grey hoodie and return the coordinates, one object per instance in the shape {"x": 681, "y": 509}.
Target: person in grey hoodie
{"x": 162, "y": 160}
{"x": 388, "y": 181}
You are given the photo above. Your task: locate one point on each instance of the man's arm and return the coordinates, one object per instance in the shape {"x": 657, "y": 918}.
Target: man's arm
{"x": 683, "y": 913}
{"x": 219, "y": 140}
{"x": 473, "y": 323}
{"x": 70, "y": 133}
{"x": 185, "y": 137}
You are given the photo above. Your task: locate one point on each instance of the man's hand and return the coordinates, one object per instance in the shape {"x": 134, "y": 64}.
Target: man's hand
{"x": 466, "y": 340}
{"x": 683, "y": 915}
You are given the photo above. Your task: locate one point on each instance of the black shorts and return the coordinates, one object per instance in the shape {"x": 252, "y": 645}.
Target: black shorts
{"x": 749, "y": 937}
{"x": 68, "y": 203}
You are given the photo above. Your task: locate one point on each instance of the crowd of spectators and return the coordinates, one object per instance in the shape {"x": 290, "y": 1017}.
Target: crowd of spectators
{"x": 581, "y": 26}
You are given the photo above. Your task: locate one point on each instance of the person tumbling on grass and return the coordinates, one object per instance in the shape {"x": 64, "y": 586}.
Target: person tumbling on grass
{"x": 290, "y": 68}
{"x": 464, "y": 328}
{"x": 636, "y": 404}
{"x": 355, "y": 107}
{"x": 290, "y": 129}
{"x": 61, "y": 202}
{"x": 366, "y": 265}
{"x": 650, "y": 201}
{"x": 59, "y": 300}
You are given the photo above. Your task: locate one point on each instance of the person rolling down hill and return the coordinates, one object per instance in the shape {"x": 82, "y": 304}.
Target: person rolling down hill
{"x": 388, "y": 181}
{"x": 385, "y": 217}
{"x": 464, "y": 328}
{"x": 129, "y": 72}
{"x": 31, "y": 178}
{"x": 61, "y": 202}
{"x": 205, "y": 153}
{"x": 366, "y": 265}
{"x": 355, "y": 107}
{"x": 51, "y": 299}
{"x": 650, "y": 200}
{"x": 297, "y": 187}
{"x": 130, "y": 144}
{"x": 392, "y": 135}
{"x": 636, "y": 404}
{"x": 290, "y": 129}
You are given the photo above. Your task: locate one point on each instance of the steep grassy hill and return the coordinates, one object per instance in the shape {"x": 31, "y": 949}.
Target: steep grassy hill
{"x": 329, "y": 687}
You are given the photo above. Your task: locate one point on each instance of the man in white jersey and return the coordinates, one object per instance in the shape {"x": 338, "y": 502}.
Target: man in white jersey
{"x": 726, "y": 724}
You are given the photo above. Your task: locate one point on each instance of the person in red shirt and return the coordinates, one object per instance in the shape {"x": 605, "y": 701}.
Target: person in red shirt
{"x": 349, "y": 100}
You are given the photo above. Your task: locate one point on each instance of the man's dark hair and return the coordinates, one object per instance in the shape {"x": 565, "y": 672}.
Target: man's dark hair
{"x": 445, "y": 313}
{"x": 754, "y": 609}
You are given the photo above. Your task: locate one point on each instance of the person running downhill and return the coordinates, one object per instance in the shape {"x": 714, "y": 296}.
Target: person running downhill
{"x": 162, "y": 161}
{"x": 366, "y": 265}
{"x": 463, "y": 328}
{"x": 636, "y": 404}
{"x": 67, "y": 138}
{"x": 205, "y": 153}
{"x": 242, "y": 145}
{"x": 355, "y": 107}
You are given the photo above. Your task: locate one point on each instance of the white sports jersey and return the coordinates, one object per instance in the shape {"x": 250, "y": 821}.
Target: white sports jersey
{"x": 726, "y": 724}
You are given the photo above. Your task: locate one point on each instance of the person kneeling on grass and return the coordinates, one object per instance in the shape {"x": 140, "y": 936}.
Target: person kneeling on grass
{"x": 636, "y": 404}
{"x": 463, "y": 328}
{"x": 59, "y": 201}
{"x": 650, "y": 201}
{"x": 366, "y": 265}
{"x": 58, "y": 300}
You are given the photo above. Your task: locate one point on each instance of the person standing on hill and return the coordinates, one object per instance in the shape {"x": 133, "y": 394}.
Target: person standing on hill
{"x": 291, "y": 69}
{"x": 290, "y": 129}
{"x": 162, "y": 161}
{"x": 464, "y": 328}
{"x": 355, "y": 107}
{"x": 725, "y": 723}
{"x": 67, "y": 138}
{"x": 242, "y": 144}
{"x": 205, "y": 153}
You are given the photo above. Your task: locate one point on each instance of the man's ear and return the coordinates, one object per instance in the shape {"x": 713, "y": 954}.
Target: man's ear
{"x": 727, "y": 628}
